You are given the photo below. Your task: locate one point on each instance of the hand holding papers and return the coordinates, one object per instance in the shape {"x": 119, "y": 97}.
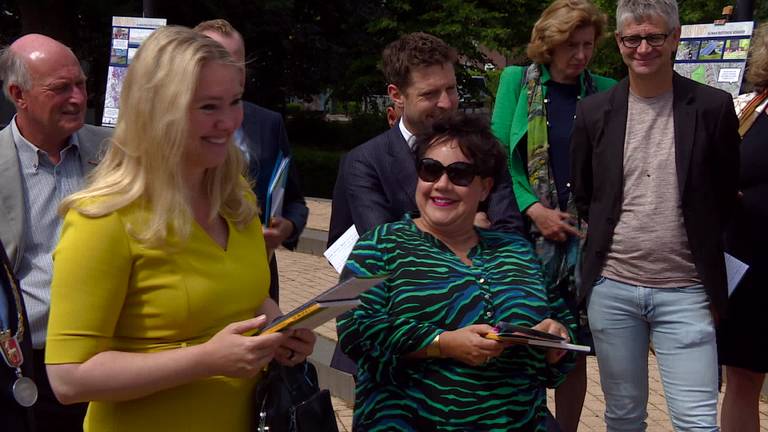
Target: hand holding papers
{"x": 339, "y": 251}
{"x": 518, "y": 335}
{"x": 324, "y": 307}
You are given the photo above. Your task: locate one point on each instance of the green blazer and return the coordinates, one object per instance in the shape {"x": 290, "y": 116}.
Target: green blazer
{"x": 510, "y": 123}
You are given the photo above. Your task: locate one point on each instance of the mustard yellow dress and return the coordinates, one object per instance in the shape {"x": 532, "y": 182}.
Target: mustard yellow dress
{"x": 111, "y": 293}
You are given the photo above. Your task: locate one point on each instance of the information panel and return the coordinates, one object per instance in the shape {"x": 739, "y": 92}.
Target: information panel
{"x": 715, "y": 54}
{"x": 127, "y": 34}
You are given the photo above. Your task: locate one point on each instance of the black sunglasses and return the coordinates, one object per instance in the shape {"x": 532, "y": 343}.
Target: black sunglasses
{"x": 459, "y": 173}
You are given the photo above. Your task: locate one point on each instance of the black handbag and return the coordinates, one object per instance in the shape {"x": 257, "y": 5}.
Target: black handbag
{"x": 289, "y": 399}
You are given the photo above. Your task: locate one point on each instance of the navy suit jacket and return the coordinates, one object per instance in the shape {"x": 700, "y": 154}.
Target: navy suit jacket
{"x": 707, "y": 163}
{"x": 265, "y": 134}
{"x": 376, "y": 184}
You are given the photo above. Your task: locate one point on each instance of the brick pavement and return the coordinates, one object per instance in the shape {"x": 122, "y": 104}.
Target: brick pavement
{"x": 319, "y": 213}
{"x": 302, "y": 276}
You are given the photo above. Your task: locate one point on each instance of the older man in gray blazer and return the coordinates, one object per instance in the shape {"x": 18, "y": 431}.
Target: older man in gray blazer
{"x": 45, "y": 153}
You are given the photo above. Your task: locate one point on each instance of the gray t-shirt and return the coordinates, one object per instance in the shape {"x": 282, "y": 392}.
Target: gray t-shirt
{"x": 650, "y": 246}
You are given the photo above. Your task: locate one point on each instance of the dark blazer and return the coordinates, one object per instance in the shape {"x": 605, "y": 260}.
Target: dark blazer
{"x": 376, "y": 184}
{"x": 707, "y": 161}
{"x": 265, "y": 134}
{"x": 14, "y": 417}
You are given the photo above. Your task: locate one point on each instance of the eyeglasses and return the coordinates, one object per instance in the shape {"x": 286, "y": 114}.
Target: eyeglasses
{"x": 459, "y": 173}
{"x": 655, "y": 40}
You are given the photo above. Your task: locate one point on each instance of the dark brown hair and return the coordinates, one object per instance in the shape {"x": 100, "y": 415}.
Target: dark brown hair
{"x": 414, "y": 50}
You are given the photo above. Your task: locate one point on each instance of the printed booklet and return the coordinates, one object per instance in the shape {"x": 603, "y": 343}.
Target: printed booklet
{"x": 519, "y": 335}
{"x": 325, "y": 307}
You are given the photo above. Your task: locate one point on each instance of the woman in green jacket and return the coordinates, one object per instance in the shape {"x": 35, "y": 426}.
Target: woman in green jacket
{"x": 533, "y": 119}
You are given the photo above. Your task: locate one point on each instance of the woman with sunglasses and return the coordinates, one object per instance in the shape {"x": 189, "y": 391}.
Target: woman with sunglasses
{"x": 418, "y": 338}
{"x": 533, "y": 118}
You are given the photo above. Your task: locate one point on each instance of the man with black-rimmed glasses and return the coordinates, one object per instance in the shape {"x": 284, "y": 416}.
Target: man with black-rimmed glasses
{"x": 655, "y": 170}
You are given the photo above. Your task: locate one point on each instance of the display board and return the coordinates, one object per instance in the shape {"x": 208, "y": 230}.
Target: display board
{"x": 715, "y": 54}
{"x": 127, "y": 35}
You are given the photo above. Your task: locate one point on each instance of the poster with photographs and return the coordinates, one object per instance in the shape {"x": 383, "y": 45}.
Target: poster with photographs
{"x": 714, "y": 54}
{"x": 127, "y": 35}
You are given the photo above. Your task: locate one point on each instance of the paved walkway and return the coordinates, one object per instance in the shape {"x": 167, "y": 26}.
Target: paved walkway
{"x": 303, "y": 276}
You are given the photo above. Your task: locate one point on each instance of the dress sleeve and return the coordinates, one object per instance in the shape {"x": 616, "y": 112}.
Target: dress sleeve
{"x": 504, "y": 105}
{"x": 374, "y": 339}
{"x": 520, "y": 254}
{"x": 91, "y": 270}
{"x": 501, "y": 125}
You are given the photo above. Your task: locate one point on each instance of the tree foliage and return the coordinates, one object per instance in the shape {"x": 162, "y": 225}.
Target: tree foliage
{"x": 304, "y": 47}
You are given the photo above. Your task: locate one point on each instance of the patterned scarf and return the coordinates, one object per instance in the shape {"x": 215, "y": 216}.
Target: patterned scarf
{"x": 750, "y": 111}
{"x": 559, "y": 259}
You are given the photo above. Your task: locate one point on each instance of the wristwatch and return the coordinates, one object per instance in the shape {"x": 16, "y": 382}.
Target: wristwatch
{"x": 433, "y": 349}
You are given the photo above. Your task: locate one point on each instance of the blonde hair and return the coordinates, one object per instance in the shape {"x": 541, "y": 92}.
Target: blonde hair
{"x": 757, "y": 69}
{"x": 148, "y": 148}
{"x": 556, "y": 24}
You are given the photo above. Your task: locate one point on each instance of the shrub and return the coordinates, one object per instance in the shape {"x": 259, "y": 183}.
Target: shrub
{"x": 317, "y": 170}
{"x": 309, "y": 129}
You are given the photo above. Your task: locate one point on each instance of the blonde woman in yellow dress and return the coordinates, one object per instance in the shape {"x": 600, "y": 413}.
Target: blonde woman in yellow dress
{"x": 162, "y": 266}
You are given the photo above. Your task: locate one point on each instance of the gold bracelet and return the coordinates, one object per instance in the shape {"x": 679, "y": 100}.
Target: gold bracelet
{"x": 433, "y": 349}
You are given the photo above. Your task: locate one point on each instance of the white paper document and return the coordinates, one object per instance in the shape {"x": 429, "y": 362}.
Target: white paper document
{"x": 729, "y": 75}
{"x": 339, "y": 251}
{"x": 735, "y": 270}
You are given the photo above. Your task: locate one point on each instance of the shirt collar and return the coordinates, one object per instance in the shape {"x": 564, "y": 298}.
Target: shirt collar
{"x": 29, "y": 154}
{"x": 409, "y": 137}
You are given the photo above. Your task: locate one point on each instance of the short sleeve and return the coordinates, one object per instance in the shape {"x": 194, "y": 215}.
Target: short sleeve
{"x": 91, "y": 271}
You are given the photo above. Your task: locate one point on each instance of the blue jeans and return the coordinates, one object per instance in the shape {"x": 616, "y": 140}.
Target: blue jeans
{"x": 623, "y": 319}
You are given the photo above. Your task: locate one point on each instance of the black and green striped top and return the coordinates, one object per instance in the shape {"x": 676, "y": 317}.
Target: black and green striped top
{"x": 430, "y": 291}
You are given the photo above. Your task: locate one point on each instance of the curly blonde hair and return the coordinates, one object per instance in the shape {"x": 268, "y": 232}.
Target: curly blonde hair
{"x": 757, "y": 71}
{"x": 143, "y": 162}
{"x": 556, "y": 24}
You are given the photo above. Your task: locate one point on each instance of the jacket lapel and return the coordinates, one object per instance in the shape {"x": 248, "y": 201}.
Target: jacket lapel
{"x": 401, "y": 163}
{"x": 684, "y": 110}
{"x": 252, "y": 137}
{"x": 11, "y": 201}
{"x": 91, "y": 148}
{"x": 615, "y": 118}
